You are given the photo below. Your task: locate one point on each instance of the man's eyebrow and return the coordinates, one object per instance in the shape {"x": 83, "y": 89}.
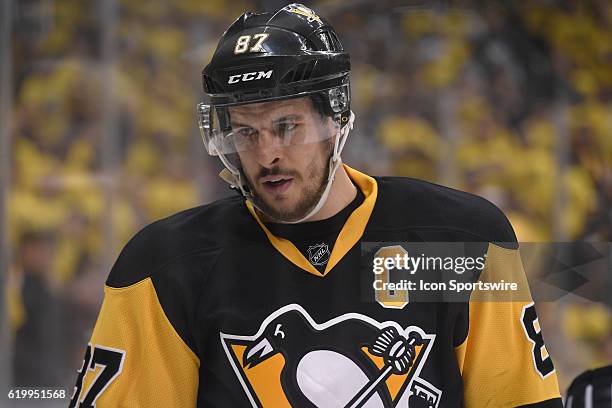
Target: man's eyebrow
{"x": 238, "y": 124}
{"x": 286, "y": 118}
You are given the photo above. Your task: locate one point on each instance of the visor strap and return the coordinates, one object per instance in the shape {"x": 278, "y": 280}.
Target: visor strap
{"x": 335, "y": 160}
{"x": 236, "y": 175}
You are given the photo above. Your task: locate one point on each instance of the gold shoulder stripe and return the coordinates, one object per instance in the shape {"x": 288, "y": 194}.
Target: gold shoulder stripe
{"x": 159, "y": 370}
{"x": 496, "y": 359}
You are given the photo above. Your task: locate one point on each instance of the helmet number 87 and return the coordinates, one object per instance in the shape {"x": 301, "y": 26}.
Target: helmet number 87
{"x": 244, "y": 41}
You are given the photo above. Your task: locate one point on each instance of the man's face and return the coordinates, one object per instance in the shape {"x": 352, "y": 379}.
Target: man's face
{"x": 286, "y": 164}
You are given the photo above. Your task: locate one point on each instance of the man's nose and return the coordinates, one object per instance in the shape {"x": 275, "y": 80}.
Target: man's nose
{"x": 268, "y": 148}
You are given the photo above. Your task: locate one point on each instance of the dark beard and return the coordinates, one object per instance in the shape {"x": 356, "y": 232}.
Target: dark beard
{"x": 309, "y": 201}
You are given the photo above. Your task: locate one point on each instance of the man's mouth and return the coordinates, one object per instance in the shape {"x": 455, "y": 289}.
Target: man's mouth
{"x": 276, "y": 184}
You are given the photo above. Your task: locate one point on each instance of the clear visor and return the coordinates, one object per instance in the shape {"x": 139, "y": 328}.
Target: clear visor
{"x": 267, "y": 125}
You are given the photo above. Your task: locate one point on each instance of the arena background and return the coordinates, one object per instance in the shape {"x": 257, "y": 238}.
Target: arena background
{"x": 509, "y": 100}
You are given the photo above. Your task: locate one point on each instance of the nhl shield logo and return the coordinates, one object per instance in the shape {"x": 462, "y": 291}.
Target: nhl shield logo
{"x": 318, "y": 254}
{"x": 349, "y": 361}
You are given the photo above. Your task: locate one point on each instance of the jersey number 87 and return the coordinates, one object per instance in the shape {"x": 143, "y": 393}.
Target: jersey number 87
{"x": 110, "y": 361}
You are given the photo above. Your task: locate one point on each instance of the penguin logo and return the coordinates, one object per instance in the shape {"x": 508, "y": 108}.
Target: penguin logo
{"x": 349, "y": 361}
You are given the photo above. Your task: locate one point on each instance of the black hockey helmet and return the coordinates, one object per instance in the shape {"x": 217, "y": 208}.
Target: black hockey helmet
{"x": 289, "y": 53}
{"x": 275, "y": 55}
{"x": 592, "y": 388}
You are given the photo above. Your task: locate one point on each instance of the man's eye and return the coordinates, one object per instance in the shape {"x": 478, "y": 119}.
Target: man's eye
{"x": 287, "y": 127}
{"x": 245, "y": 132}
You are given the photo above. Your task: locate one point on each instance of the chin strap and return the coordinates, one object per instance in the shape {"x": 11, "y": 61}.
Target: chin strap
{"x": 233, "y": 176}
{"x": 228, "y": 177}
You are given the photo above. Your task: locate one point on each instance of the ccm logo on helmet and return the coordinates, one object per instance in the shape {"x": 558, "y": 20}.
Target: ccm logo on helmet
{"x": 249, "y": 76}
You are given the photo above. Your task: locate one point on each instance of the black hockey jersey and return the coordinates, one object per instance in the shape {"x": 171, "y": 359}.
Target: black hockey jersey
{"x": 209, "y": 308}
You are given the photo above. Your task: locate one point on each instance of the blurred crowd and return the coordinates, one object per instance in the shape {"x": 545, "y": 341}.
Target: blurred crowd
{"x": 509, "y": 100}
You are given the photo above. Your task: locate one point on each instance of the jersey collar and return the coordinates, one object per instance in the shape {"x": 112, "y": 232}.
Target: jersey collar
{"x": 349, "y": 235}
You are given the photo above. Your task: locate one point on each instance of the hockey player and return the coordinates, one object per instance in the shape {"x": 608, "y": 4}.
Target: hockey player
{"x": 257, "y": 300}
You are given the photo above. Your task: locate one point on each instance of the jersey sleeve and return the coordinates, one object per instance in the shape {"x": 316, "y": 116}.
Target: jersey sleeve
{"x": 503, "y": 359}
{"x": 135, "y": 357}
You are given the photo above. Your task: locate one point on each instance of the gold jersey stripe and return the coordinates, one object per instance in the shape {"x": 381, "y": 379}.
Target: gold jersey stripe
{"x": 349, "y": 235}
